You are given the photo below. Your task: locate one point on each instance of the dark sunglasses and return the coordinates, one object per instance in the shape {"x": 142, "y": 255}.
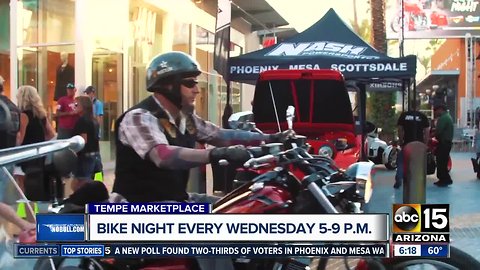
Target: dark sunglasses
{"x": 190, "y": 83}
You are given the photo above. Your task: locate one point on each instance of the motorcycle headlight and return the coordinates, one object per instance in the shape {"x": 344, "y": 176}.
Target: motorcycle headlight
{"x": 325, "y": 151}
{"x": 362, "y": 173}
{"x": 365, "y": 188}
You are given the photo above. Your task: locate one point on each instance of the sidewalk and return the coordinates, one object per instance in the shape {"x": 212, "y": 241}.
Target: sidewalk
{"x": 462, "y": 196}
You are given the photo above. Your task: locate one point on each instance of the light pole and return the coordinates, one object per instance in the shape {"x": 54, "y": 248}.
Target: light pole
{"x": 402, "y": 29}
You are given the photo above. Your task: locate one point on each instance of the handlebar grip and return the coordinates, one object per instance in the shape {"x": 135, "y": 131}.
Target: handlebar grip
{"x": 264, "y": 159}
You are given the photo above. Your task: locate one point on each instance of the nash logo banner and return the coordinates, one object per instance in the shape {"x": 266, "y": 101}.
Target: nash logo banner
{"x": 59, "y": 227}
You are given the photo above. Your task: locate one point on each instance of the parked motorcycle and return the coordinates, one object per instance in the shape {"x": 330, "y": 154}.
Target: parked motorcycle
{"x": 379, "y": 151}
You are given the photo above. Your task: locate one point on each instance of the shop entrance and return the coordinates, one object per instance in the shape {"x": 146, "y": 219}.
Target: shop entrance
{"x": 107, "y": 70}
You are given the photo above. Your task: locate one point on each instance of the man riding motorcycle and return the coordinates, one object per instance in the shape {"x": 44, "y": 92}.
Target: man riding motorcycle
{"x": 155, "y": 139}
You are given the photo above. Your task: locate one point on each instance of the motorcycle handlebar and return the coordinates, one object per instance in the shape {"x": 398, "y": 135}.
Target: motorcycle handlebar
{"x": 299, "y": 156}
{"x": 18, "y": 154}
{"x": 260, "y": 160}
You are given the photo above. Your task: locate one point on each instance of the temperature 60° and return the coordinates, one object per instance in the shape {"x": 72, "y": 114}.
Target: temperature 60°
{"x": 346, "y": 228}
{"x": 434, "y": 250}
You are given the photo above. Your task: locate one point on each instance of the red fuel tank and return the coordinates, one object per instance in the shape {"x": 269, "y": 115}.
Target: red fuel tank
{"x": 256, "y": 198}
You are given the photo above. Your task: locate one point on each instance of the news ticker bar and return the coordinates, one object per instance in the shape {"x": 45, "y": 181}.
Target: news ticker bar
{"x": 425, "y": 250}
{"x": 228, "y": 228}
{"x": 199, "y": 250}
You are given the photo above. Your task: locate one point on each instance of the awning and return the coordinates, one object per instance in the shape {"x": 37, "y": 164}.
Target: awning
{"x": 436, "y": 77}
{"x": 258, "y": 13}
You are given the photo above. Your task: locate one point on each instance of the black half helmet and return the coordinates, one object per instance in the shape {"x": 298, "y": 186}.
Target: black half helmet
{"x": 166, "y": 67}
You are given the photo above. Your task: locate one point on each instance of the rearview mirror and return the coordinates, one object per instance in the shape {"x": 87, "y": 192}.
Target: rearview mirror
{"x": 240, "y": 120}
{"x": 290, "y": 116}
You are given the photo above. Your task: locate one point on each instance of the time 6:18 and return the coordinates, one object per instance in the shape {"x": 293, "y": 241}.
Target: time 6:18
{"x": 407, "y": 250}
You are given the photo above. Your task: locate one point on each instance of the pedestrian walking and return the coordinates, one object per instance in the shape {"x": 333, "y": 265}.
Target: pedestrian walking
{"x": 444, "y": 136}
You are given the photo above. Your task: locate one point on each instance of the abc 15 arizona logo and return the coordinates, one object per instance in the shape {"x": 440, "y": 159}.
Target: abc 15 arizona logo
{"x": 421, "y": 218}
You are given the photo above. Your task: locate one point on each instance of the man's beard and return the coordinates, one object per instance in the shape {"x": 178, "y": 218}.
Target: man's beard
{"x": 188, "y": 108}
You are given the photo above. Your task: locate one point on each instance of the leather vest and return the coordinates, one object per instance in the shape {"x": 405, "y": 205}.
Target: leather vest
{"x": 140, "y": 180}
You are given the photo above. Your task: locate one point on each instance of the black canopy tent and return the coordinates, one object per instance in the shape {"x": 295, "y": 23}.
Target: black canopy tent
{"x": 328, "y": 44}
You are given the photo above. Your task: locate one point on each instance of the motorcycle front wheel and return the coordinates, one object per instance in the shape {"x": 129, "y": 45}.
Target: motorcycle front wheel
{"x": 392, "y": 159}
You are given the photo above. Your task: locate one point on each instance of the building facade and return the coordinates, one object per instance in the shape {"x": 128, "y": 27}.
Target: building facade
{"x": 454, "y": 78}
{"x": 108, "y": 44}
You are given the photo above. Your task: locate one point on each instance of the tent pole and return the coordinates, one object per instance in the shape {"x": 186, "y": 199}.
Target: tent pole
{"x": 403, "y": 94}
{"x": 402, "y": 29}
{"x": 408, "y": 95}
{"x": 414, "y": 94}
{"x": 362, "y": 117}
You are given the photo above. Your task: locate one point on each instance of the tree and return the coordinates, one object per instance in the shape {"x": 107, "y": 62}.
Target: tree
{"x": 432, "y": 47}
{"x": 381, "y": 105}
{"x": 425, "y": 62}
{"x": 363, "y": 30}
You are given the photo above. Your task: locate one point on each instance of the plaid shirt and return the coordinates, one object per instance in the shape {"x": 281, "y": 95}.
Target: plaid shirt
{"x": 142, "y": 131}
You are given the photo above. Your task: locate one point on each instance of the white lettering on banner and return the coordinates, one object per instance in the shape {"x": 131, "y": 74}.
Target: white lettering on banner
{"x": 385, "y": 85}
{"x": 464, "y": 5}
{"x": 370, "y": 67}
{"x": 251, "y": 69}
{"x": 305, "y": 66}
{"x": 321, "y": 48}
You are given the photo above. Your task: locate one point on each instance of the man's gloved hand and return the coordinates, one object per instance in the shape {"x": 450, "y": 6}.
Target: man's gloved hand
{"x": 236, "y": 155}
{"x": 283, "y": 136}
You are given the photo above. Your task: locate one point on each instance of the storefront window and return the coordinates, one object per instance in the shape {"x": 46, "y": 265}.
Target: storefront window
{"x": 212, "y": 103}
{"x": 146, "y": 30}
{"x": 49, "y": 69}
{"x": 42, "y": 21}
{"x": 107, "y": 78}
{"x": 5, "y": 45}
{"x": 181, "y": 37}
{"x": 204, "y": 52}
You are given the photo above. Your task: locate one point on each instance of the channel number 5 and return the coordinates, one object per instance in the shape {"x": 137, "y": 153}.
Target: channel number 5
{"x": 438, "y": 218}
